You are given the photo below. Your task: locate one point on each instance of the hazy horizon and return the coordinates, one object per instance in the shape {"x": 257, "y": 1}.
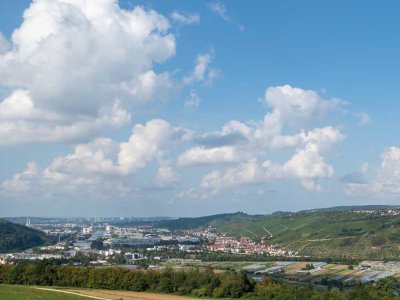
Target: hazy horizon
{"x": 191, "y": 216}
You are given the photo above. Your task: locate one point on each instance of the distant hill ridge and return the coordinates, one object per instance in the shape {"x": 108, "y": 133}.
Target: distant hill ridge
{"x": 195, "y": 222}
{"x": 349, "y": 208}
{"x": 16, "y": 237}
{"x": 187, "y": 223}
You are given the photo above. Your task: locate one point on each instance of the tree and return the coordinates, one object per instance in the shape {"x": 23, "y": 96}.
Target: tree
{"x": 166, "y": 285}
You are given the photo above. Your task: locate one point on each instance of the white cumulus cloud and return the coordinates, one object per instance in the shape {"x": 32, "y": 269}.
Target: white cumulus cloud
{"x": 4, "y": 44}
{"x": 291, "y": 110}
{"x": 296, "y": 108}
{"x": 75, "y": 60}
{"x": 22, "y": 122}
{"x": 203, "y": 155}
{"x": 247, "y": 172}
{"x": 99, "y": 164}
{"x": 166, "y": 175}
{"x": 381, "y": 181}
{"x": 148, "y": 142}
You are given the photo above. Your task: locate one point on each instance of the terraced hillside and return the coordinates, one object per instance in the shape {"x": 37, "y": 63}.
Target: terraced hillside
{"x": 328, "y": 234}
{"x": 322, "y": 233}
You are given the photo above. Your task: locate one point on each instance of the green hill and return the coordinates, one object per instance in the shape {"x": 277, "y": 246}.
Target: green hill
{"x": 332, "y": 233}
{"x": 15, "y": 237}
{"x": 329, "y": 234}
{"x": 188, "y": 223}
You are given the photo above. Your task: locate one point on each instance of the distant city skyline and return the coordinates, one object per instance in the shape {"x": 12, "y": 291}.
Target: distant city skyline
{"x": 171, "y": 108}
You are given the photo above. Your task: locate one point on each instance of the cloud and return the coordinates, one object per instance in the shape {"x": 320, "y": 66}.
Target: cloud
{"x": 363, "y": 118}
{"x": 202, "y": 71}
{"x": 4, "y": 44}
{"x": 324, "y": 138}
{"x": 296, "y": 108}
{"x": 193, "y": 101}
{"x": 286, "y": 103}
{"x": 232, "y": 133}
{"x": 252, "y": 142}
{"x": 96, "y": 157}
{"x": 206, "y": 156}
{"x": 166, "y": 175}
{"x": 21, "y": 122}
{"x": 388, "y": 175}
{"x": 19, "y": 105}
{"x": 185, "y": 18}
{"x": 20, "y": 183}
{"x": 248, "y": 172}
{"x": 98, "y": 164}
{"x": 381, "y": 181}
{"x": 220, "y": 146}
{"x": 57, "y": 183}
{"x": 75, "y": 60}
{"x": 148, "y": 142}
{"x": 306, "y": 165}
{"x": 219, "y": 9}
{"x": 312, "y": 185}
{"x": 239, "y": 153}
{"x": 216, "y": 139}
{"x": 193, "y": 194}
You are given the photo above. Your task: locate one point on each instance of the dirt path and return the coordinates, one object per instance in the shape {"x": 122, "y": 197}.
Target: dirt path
{"x": 71, "y": 293}
{"x": 103, "y": 294}
{"x": 330, "y": 239}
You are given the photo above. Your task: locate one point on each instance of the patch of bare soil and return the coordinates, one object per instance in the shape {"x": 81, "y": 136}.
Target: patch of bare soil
{"x": 129, "y": 295}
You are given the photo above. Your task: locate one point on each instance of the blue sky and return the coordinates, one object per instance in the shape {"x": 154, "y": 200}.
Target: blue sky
{"x": 191, "y": 108}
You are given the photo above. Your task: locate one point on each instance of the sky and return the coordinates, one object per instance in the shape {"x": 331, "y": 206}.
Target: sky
{"x": 190, "y": 108}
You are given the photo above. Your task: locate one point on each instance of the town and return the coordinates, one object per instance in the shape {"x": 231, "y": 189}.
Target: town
{"x": 107, "y": 244}
{"x": 138, "y": 244}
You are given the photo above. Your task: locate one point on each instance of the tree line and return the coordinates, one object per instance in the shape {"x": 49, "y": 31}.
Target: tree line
{"x": 192, "y": 282}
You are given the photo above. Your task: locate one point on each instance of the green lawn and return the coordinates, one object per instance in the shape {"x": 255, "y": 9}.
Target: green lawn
{"x": 17, "y": 292}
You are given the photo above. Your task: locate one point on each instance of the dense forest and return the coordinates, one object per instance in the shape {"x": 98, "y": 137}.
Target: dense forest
{"x": 194, "y": 282}
{"x": 15, "y": 237}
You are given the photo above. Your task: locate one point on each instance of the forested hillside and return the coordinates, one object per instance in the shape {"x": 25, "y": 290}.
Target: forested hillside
{"x": 14, "y": 237}
{"x": 188, "y": 223}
